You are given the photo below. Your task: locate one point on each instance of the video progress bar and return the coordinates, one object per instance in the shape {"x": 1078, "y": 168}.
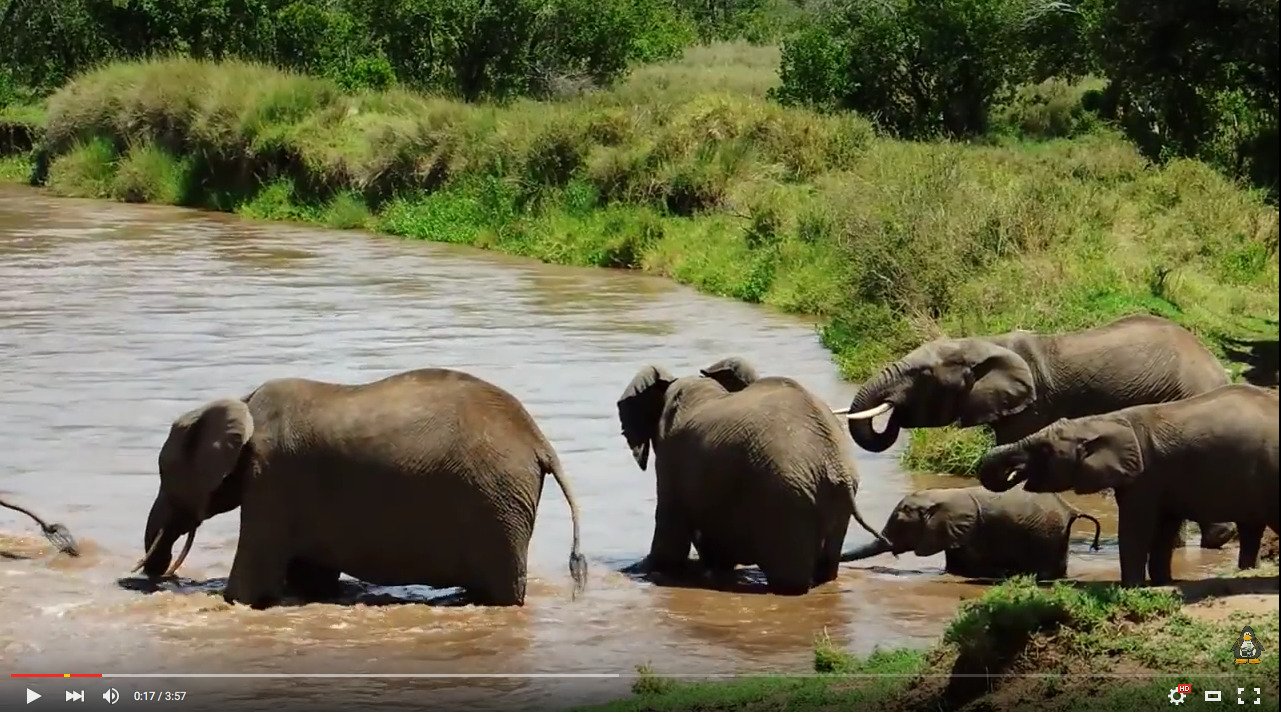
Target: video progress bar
{"x": 548, "y": 676}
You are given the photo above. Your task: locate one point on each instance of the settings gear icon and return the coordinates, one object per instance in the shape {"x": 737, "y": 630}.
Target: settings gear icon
{"x": 1176, "y": 697}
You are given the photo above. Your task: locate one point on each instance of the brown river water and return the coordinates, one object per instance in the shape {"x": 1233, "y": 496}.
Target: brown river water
{"x": 116, "y": 318}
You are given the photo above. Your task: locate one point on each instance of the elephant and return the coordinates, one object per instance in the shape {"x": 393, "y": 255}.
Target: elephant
{"x": 1021, "y": 381}
{"x": 982, "y": 534}
{"x": 759, "y": 475}
{"x": 57, "y": 534}
{"x": 430, "y": 476}
{"x": 1211, "y": 457}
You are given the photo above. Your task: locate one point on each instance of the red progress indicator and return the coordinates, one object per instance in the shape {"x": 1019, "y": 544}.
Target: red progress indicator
{"x": 47, "y": 674}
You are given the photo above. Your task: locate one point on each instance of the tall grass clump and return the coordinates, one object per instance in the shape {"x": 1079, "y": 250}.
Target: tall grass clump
{"x": 885, "y": 242}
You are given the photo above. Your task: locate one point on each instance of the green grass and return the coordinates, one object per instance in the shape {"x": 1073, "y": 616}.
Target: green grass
{"x": 685, "y": 170}
{"x": 1015, "y": 627}
{"x": 14, "y": 169}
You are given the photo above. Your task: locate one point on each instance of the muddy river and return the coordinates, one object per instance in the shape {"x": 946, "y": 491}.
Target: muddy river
{"x": 116, "y": 318}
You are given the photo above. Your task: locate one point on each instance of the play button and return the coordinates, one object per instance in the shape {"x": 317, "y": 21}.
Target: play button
{"x": 32, "y": 695}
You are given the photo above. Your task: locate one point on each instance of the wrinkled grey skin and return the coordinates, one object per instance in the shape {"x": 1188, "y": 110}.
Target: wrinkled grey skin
{"x": 429, "y": 477}
{"x": 1212, "y": 536}
{"x": 1212, "y": 457}
{"x": 760, "y": 475}
{"x": 982, "y": 534}
{"x": 1021, "y": 381}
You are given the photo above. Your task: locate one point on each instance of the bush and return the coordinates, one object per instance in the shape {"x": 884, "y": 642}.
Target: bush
{"x": 921, "y": 67}
{"x": 472, "y": 48}
{"x": 1211, "y": 89}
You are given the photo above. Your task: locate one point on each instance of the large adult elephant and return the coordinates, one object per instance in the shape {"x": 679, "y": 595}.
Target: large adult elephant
{"x": 759, "y": 473}
{"x": 1021, "y": 381}
{"x": 982, "y": 534}
{"x": 431, "y": 476}
{"x": 1211, "y": 457}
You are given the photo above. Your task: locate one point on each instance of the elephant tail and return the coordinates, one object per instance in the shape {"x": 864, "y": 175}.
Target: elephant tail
{"x": 550, "y": 464}
{"x": 867, "y": 551}
{"x": 1097, "y": 528}
{"x": 858, "y": 516}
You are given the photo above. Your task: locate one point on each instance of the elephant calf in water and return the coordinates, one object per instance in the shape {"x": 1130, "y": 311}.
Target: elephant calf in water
{"x": 1209, "y": 458}
{"x": 1021, "y": 381}
{"x": 749, "y": 470}
{"x": 982, "y": 534}
{"x": 429, "y": 477}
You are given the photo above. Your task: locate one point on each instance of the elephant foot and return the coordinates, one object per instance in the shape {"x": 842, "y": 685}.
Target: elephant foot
{"x": 826, "y": 572}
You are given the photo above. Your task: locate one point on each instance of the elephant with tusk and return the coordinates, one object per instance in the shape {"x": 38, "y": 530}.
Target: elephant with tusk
{"x": 1021, "y": 381}
{"x": 982, "y": 534}
{"x": 749, "y": 470}
{"x": 431, "y": 476}
{"x": 1211, "y": 457}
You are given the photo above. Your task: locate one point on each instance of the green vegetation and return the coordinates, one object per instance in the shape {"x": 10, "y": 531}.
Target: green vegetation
{"x": 1183, "y": 79}
{"x": 1015, "y": 627}
{"x": 888, "y": 242}
{"x": 898, "y": 170}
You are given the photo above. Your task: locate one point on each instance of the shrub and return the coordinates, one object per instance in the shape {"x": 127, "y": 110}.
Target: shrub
{"x": 921, "y": 67}
{"x": 473, "y": 48}
{"x": 1211, "y": 89}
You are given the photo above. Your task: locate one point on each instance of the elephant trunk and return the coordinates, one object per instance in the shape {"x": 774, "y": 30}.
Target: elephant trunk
{"x": 872, "y": 399}
{"x": 875, "y": 547}
{"x": 1002, "y": 467}
{"x": 164, "y": 525}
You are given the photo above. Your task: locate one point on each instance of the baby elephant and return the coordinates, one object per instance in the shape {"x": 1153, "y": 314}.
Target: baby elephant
{"x": 1208, "y": 458}
{"x": 982, "y": 534}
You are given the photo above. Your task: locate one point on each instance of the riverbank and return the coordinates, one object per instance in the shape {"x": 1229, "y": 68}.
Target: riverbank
{"x": 687, "y": 171}
{"x": 1092, "y": 647}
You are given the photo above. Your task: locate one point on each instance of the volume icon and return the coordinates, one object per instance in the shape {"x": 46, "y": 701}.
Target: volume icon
{"x": 111, "y": 696}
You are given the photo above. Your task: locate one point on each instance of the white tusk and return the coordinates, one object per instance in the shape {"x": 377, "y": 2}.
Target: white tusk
{"x": 155, "y": 544}
{"x": 870, "y": 412}
{"x": 840, "y": 411}
{"x": 1013, "y": 473}
{"x": 182, "y": 556}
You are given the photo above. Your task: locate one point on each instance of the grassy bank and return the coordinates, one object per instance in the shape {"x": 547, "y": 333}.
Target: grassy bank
{"x": 1015, "y": 628}
{"x": 686, "y": 170}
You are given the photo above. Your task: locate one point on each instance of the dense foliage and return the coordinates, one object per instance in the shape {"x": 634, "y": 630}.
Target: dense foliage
{"x": 922, "y": 67}
{"x": 1195, "y": 78}
{"x": 474, "y": 48}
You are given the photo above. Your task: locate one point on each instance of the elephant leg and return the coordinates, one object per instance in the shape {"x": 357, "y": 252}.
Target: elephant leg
{"x": 714, "y": 561}
{"x": 791, "y": 557}
{"x": 312, "y": 581}
{"x": 502, "y": 583}
{"x": 673, "y": 536}
{"x": 257, "y": 577}
{"x": 828, "y": 566}
{"x": 1251, "y": 538}
{"x": 1161, "y": 552}
{"x": 1136, "y": 525}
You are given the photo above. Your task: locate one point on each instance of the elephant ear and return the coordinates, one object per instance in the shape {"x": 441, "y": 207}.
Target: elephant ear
{"x": 733, "y": 373}
{"x": 944, "y": 529}
{"x": 999, "y": 383}
{"x": 1109, "y": 456}
{"x": 639, "y": 409}
{"x": 202, "y": 449}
